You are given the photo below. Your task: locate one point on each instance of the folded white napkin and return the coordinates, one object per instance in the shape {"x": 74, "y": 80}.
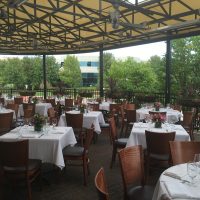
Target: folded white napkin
{"x": 28, "y": 135}
{"x": 182, "y": 191}
{"x": 177, "y": 172}
{"x": 9, "y": 135}
{"x": 140, "y": 125}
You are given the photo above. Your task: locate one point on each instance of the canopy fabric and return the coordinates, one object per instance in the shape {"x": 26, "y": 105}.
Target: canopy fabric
{"x": 75, "y": 26}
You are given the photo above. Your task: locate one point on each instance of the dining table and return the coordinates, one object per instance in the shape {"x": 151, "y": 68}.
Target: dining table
{"x": 174, "y": 183}
{"x": 92, "y": 117}
{"x": 40, "y": 108}
{"x": 46, "y": 145}
{"x": 172, "y": 116}
{"x": 137, "y": 135}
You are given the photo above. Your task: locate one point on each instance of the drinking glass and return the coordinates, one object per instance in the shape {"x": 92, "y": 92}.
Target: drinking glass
{"x": 191, "y": 171}
{"x": 197, "y": 162}
{"x": 54, "y": 122}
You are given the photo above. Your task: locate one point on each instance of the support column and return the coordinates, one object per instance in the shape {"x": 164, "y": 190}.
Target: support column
{"x": 44, "y": 76}
{"x": 168, "y": 73}
{"x": 101, "y": 72}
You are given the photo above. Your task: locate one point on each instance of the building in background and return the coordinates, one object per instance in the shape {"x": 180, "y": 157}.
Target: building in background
{"x": 89, "y": 66}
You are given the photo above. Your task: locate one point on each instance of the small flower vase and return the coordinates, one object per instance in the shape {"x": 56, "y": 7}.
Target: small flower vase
{"x": 38, "y": 127}
{"x": 158, "y": 124}
{"x": 157, "y": 108}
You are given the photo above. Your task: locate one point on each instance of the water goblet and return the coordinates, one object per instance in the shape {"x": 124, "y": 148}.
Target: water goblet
{"x": 197, "y": 162}
{"x": 54, "y": 122}
{"x": 191, "y": 171}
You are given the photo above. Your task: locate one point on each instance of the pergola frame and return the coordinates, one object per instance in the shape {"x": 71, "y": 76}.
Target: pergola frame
{"x": 35, "y": 27}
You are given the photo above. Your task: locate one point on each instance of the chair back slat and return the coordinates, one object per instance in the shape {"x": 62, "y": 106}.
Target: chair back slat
{"x": 158, "y": 142}
{"x": 101, "y": 186}
{"x": 74, "y": 120}
{"x": 18, "y": 100}
{"x": 16, "y": 153}
{"x": 132, "y": 166}
{"x": 6, "y": 121}
{"x": 183, "y": 151}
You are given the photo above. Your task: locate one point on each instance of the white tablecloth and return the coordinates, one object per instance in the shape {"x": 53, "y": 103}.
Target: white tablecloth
{"x": 137, "y": 136}
{"x": 173, "y": 116}
{"x": 40, "y": 108}
{"x": 176, "y": 187}
{"x": 44, "y": 146}
{"x": 93, "y": 117}
{"x": 104, "y": 106}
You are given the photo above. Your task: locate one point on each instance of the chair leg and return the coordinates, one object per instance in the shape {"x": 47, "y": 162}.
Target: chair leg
{"x": 113, "y": 156}
{"x": 29, "y": 190}
{"x": 85, "y": 171}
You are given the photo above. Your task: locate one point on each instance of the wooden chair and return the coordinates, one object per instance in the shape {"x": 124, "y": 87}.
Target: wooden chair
{"x": 5, "y": 122}
{"x": 18, "y": 100}
{"x": 123, "y": 119}
{"x": 118, "y": 143}
{"x": 29, "y": 112}
{"x": 51, "y": 101}
{"x": 69, "y": 103}
{"x": 14, "y": 107}
{"x": 187, "y": 123}
{"x": 130, "y": 119}
{"x": 77, "y": 153}
{"x": 76, "y": 122}
{"x": 100, "y": 185}
{"x": 129, "y": 106}
{"x": 115, "y": 111}
{"x": 183, "y": 151}
{"x": 2, "y": 101}
{"x": 133, "y": 176}
{"x": 158, "y": 149}
{"x": 177, "y": 107}
{"x": 16, "y": 165}
{"x": 94, "y": 106}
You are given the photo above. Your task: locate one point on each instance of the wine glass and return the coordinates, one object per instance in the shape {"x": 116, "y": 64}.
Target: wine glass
{"x": 192, "y": 171}
{"x": 197, "y": 162}
{"x": 54, "y": 122}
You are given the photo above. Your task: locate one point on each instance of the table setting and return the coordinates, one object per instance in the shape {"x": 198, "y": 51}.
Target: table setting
{"x": 137, "y": 135}
{"x": 180, "y": 181}
{"x": 46, "y": 144}
{"x": 89, "y": 118}
{"x": 172, "y": 116}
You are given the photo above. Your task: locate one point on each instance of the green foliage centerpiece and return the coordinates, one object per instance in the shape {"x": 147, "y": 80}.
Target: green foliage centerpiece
{"x": 38, "y": 122}
{"x": 82, "y": 108}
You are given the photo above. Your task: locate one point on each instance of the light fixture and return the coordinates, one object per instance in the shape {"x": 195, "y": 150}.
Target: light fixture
{"x": 93, "y": 43}
{"x": 15, "y": 3}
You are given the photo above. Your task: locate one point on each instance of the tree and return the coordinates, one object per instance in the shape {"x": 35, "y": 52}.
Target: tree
{"x": 130, "y": 75}
{"x": 108, "y": 59}
{"x": 70, "y": 73}
{"x": 157, "y": 64}
{"x": 182, "y": 65}
{"x": 13, "y": 73}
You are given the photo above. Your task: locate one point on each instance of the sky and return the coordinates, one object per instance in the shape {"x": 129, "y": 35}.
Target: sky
{"x": 141, "y": 52}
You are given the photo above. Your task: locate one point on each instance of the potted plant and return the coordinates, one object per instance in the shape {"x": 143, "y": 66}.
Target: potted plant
{"x": 38, "y": 122}
{"x": 158, "y": 119}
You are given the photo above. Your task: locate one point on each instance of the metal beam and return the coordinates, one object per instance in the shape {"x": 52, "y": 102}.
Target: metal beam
{"x": 101, "y": 71}
{"x": 168, "y": 73}
{"x": 44, "y": 76}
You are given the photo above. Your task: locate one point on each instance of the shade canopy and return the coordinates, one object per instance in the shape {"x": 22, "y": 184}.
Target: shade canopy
{"x": 78, "y": 26}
